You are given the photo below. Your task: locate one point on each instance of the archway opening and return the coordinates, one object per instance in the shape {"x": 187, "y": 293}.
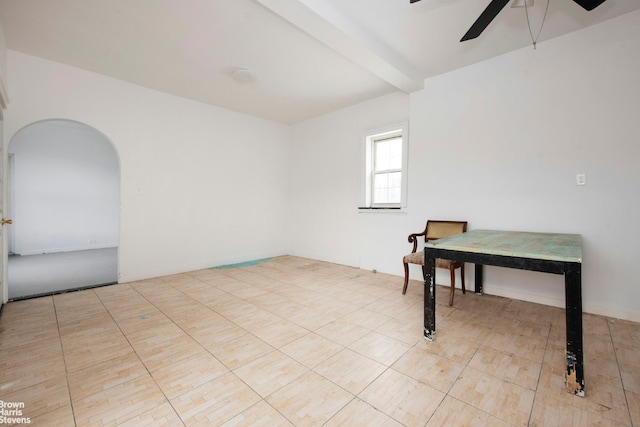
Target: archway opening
{"x": 64, "y": 198}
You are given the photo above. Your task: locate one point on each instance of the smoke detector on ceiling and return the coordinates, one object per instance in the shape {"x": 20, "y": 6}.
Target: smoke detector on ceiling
{"x": 242, "y": 75}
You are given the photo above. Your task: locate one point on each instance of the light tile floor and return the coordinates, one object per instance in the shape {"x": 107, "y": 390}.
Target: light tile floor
{"x": 299, "y": 342}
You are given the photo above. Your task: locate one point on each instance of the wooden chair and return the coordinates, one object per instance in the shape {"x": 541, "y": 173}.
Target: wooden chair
{"x": 435, "y": 230}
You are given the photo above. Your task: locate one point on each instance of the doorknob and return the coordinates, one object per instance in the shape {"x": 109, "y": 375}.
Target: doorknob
{"x": 6, "y": 221}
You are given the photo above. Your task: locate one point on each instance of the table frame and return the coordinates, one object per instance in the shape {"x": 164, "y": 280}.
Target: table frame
{"x": 572, "y": 271}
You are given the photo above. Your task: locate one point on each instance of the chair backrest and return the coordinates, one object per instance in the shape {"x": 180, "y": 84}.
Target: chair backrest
{"x": 440, "y": 229}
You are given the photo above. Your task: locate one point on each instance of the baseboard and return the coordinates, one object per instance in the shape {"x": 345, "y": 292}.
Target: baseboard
{"x": 62, "y": 291}
{"x": 522, "y": 296}
{"x": 613, "y": 312}
{"x": 60, "y": 250}
{"x": 186, "y": 268}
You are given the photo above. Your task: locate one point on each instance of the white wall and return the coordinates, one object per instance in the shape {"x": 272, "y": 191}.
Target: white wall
{"x": 200, "y": 186}
{"x": 511, "y": 134}
{"x": 499, "y": 144}
{"x": 66, "y": 183}
{"x": 325, "y": 157}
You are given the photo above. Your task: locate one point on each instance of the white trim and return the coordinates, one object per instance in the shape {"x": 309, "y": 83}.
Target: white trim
{"x": 382, "y": 210}
{"x": 522, "y": 296}
{"x": 613, "y": 312}
{"x": 4, "y": 257}
{"x": 62, "y": 250}
{"x": 4, "y": 99}
{"x": 162, "y": 270}
{"x": 328, "y": 25}
{"x": 9, "y": 206}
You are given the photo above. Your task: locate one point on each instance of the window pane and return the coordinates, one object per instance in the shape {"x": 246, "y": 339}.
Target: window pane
{"x": 382, "y": 156}
{"x": 395, "y": 179}
{"x": 395, "y": 153}
{"x": 380, "y": 181}
{"x": 387, "y": 187}
{"x": 388, "y": 154}
{"x": 394, "y": 195}
{"x": 380, "y": 195}
{"x": 395, "y": 182}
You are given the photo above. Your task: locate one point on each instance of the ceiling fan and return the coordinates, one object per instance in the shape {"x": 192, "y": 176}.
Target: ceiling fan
{"x": 496, "y": 6}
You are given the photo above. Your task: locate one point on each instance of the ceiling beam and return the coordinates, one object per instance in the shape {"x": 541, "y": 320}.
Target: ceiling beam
{"x": 323, "y": 22}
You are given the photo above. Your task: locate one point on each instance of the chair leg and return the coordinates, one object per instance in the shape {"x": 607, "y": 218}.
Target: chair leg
{"x": 406, "y": 278}
{"x": 452, "y": 272}
{"x": 462, "y": 278}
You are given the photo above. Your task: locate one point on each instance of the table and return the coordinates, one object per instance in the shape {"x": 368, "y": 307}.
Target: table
{"x": 545, "y": 252}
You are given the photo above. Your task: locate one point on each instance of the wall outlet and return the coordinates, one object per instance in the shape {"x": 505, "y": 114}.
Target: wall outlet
{"x": 581, "y": 179}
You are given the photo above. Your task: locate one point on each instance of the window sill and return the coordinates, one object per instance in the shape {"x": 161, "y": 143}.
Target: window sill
{"x": 382, "y": 210}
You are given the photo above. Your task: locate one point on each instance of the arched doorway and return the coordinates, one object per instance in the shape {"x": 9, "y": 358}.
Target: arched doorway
{"x": 64, "y": 198}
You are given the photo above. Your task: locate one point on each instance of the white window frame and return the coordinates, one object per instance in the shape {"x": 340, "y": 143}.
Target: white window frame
{"x": 368, "y": 140}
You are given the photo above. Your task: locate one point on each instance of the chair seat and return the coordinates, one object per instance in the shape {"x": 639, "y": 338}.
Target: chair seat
{"x": 433, "y": 231}
{"x": 418, "y": 258}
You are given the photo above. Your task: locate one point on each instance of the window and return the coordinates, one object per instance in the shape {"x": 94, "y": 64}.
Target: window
{"x": 385, "y": 164}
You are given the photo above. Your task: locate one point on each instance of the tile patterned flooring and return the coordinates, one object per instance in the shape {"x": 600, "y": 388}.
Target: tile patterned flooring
{"x": 299, "y": 342}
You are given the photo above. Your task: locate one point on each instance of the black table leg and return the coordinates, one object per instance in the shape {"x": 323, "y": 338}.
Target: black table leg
{"x": 429, "y": 294}
{"x": 478, "y": 278}
{"x": 573, "y": 297}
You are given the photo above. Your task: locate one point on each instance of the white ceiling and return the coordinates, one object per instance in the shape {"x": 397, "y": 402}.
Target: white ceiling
{"x": 308, "y": 57}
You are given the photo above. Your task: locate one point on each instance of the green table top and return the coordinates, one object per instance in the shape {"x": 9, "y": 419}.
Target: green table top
{"x": 548, "y": 246}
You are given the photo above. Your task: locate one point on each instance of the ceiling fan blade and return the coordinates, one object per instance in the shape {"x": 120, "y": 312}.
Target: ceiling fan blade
{"x": 589, "y": 4}
{"x": 413, "y": 1}
{"x": 485, "y": 19}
